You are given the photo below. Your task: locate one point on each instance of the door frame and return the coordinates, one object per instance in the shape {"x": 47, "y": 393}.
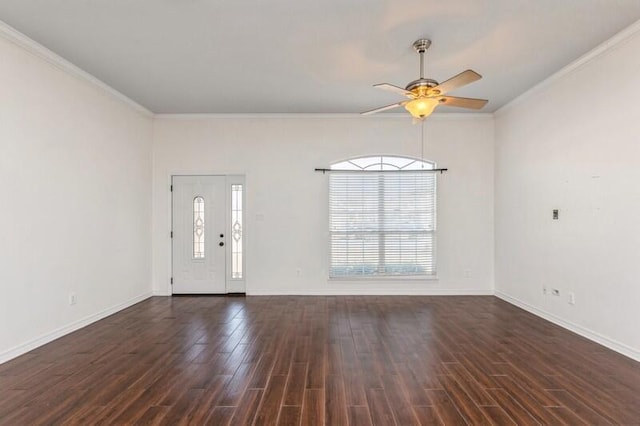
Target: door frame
{"x": 231, "y": 285}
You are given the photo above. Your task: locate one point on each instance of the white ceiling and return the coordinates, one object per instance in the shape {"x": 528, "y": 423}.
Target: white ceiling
{"x": 313, "y": 56}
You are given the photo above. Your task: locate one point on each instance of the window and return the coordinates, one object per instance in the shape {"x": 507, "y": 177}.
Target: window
{"x": 382, "y": 213}
{"x": 236, "y": 231}
{"x": 198, "y": 227}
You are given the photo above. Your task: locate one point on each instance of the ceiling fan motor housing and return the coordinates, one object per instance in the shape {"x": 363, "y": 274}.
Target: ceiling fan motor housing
{"x": 421, "y": 85}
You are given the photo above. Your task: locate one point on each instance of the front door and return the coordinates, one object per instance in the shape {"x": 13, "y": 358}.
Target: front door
{"x": 199, "y": 234}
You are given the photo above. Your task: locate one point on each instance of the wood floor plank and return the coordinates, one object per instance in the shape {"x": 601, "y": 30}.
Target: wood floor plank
{"x": 588, "y": 397}
{"x": 285, "y": 355}
{"x": 290, "y": 416}
{"x": 153, "y": 415}
{"x": 246, "y": 411}
{"x": 219, "y": 416}
{"x": 315, "y": 371}
{"x": 302, "y": 349}
{"x": 469, "y": 384}
{"x": 333, "y": 359}
{"x": 379, "y": 408}
{"x": 511, "y": 407}
{"x": 359, "y": 415}
{"x": 427, "y": 415}
{"x": 445, "y": 408}
{"x": 469, "y": 410}
{"x": 497, "y": 416}
{"x": 314, "y": 360}
{"x": 415, "y": 393}
{"x": 313, "y": 407}
{"x": 210, "y": 398}
{"x": 335, "y": 401}
{"x": 398, "y": 400}
{"x": 183, "y": 410}
{"x": 584, "y": 412}
{"x": 296, "y": 383}
{"x": 354, "y": 389}
{"x": 234, "y": 390}
{"x": 118, "y": 405}
{"x": 261, "y": 375}
{"x": 533, "y": 407}
{"x": 565, "y": 416}
{"x": 271, "y": 401}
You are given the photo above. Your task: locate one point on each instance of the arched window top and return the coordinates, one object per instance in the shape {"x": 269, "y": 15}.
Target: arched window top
{"x": 383, "y": 162}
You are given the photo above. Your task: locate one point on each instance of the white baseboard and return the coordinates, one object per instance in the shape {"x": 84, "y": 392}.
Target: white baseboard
{"x": 584, "y": 332}
{"x": 59, "y": 332}
{"x": 376, "y": 292}
{"x": 365, "y": 292}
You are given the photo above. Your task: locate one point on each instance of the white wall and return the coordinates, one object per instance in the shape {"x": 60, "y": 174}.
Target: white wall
{"x": 573, "y": 144}
{"x": 75, "y": 167}
{"x": 79, "y": 192}
{"x": 278, "y": 156}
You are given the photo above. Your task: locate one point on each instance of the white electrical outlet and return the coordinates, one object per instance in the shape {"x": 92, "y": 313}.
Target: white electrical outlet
{"x": 572, "y": 298}
{"x": 72, "y": 298}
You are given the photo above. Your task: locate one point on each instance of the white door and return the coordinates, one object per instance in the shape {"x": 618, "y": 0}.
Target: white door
{"x": 199, "y": 234}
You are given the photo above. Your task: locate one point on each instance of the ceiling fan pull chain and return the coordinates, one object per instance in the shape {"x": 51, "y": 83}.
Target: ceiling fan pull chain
{"x": 422, "y": 143}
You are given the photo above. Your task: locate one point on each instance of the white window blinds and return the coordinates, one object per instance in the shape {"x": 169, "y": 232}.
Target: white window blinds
{"x": 382, "y": 223}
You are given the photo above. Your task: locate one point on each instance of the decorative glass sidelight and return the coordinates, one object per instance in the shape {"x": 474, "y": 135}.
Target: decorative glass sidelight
{"x": 236, "y": 231}
{"x": 198, "y": 227}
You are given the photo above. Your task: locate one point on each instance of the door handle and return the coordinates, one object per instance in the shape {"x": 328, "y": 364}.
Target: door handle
{"x": 221, "y": 244}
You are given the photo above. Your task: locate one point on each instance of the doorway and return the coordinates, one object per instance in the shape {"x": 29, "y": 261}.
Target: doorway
{"x": 207, "y": 234}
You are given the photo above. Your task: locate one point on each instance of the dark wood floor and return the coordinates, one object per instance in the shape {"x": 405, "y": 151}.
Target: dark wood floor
{"x": 321, "y": 360}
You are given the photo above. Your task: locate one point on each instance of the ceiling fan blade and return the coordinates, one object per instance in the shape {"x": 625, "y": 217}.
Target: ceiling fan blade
{"x": 462, "y": 79}
{"x": 471, "y": 103}
{"x": 384, "y": 108}
{"x": 394, "y": 89}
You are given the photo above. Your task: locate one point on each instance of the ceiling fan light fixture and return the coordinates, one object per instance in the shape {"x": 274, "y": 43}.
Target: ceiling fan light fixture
{"x": 422, "y": 107}
{"x": 425, "y": 93}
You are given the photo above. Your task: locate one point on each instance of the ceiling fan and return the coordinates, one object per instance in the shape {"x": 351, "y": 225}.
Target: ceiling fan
{"x": 426, "y": 94}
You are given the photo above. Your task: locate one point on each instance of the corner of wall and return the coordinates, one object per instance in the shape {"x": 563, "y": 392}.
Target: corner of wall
{"x": 29, "y": 45}
{"x": 571, "y": 326}
{"x": 43, "y": 339}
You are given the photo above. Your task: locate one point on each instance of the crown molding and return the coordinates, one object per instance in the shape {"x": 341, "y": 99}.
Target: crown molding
{"x": 600, "y": 50}
{"x": 318, "y": 116}
{"x": 16, "y": 37}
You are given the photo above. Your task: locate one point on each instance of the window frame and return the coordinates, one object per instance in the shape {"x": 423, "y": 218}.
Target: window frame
{"x": 383, "y": 166}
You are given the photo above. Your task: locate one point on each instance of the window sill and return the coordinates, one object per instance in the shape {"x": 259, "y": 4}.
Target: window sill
{"x": 386, "y": 278}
